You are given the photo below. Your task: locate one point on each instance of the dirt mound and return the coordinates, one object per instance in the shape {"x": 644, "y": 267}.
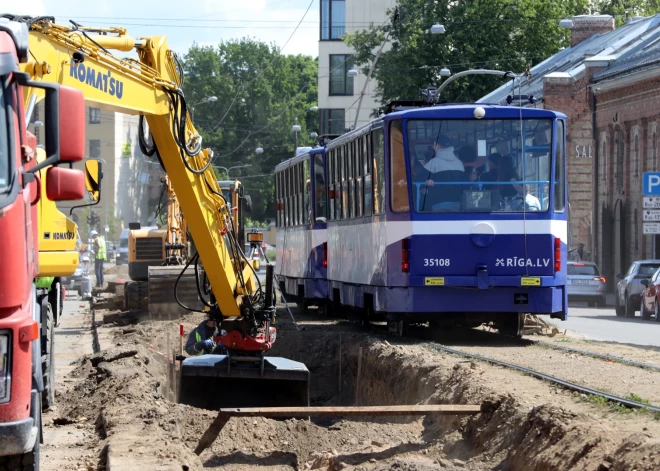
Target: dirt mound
{"x": 129, "y": 388}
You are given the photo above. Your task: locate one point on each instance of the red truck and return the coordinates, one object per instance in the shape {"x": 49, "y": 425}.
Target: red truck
{"x": 22, "y": 309}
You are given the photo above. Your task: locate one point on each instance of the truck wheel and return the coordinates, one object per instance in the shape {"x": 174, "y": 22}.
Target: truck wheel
{"x": 27, "y": 461}
{"x": 48, "y": 360}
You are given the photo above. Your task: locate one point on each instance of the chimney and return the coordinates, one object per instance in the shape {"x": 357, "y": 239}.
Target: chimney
{"x": 585, "y": 26}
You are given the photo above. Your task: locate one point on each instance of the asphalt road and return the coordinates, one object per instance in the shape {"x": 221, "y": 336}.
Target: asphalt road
{"x": 603, "y": 324}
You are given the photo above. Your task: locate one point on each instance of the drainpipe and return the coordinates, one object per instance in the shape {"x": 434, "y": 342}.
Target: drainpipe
{"x": 594, "y": 131}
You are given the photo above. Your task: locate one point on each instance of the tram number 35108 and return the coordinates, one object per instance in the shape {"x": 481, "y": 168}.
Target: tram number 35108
{"x": 436, "y": 262}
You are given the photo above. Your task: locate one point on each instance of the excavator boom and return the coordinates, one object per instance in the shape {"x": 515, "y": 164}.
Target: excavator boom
{"x": 151, "y": 87}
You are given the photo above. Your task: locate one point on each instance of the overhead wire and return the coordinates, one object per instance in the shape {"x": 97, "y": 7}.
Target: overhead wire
{"x": 263, "y": 71}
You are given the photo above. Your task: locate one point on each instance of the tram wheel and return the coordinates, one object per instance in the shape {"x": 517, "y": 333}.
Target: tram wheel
{"x": 513, "y": 325}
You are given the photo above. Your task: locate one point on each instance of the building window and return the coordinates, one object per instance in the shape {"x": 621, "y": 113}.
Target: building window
{"x": 604, "y": 154}
{"x": 332, "y": 122}
{"x": 94, "y": 115}
{"x": 654, "y": 152}
{"x": 95, "y": 148}
{"x": 637, "y": 156}
{"x": 618, "y": 150}
{"x": 333, "y": 19}
{"x": 340, "y": 82}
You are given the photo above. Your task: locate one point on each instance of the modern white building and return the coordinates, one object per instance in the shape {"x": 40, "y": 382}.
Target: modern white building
{"x": 339, "y": 93}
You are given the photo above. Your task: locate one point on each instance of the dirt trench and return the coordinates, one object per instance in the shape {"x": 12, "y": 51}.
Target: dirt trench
{"x": 127, "y": 387}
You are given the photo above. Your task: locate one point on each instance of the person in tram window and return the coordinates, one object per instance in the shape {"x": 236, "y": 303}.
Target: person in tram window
{"x": 507, "y": 176}
{"x": 532, "y": 203}
{"x": 444, "y": 169}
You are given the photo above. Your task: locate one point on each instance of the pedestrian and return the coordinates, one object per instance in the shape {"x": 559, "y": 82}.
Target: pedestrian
{"x": 200, "y": 339}
{"x": 99, "y": 250}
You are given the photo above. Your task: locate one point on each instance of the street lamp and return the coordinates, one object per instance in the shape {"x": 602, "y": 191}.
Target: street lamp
{"x": 566, "y": 23}
{"x": 444, "y": 72}
{"x": 208, "y": 99}
{"x": 296, "y": 129}
{"x": 313, "y": 135}
{"x": 437, "y": 29}
{"x": 228, "y": 169}
{"x": 352, "y": 73}
{"x": 259, "y": 150}
{"x": 314, "y": 108}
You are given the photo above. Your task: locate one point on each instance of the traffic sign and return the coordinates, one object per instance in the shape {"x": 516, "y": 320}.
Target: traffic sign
{"x": 652, "y": 228}
{"x": 652, "y": 202}
{"x": 652, "y": 215}
{"x": 651, "y": 184}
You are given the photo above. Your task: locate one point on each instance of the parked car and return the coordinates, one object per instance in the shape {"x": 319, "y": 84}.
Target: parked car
{"x": 629, "y": 289}
{"x": 122, "y": 248}
{"x": 585, "y": 283}
{"x": 650, "y": 304}
{"x": 110, "y": 252}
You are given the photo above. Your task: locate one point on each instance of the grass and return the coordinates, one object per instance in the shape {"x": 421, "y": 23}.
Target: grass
{"x": 600, "y": 401}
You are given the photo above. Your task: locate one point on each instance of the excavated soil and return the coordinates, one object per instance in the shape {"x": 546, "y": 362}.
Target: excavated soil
{"x": 526, "y": 424}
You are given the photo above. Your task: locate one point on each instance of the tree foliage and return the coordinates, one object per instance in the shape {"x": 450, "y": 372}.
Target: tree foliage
{"x": 260, "y": 94}
{"x": 495, "y": 34}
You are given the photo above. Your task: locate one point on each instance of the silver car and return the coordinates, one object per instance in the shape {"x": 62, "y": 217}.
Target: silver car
{"x": 585, "y": 283}
{"x": 629, "y": 288}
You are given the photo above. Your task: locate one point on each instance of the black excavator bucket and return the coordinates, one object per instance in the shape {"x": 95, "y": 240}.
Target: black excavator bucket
{"x": 220, "y": 381}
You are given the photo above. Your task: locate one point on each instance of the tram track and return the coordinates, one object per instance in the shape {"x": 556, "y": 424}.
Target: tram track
{"x": 539, "y": 375}
{"x": 476, "y": 336}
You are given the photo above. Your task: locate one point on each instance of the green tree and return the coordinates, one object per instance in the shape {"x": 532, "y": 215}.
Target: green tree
{"x": 261, "y": 93}
{"x": 495, "y": 34}
{"x": 622, "y": 8}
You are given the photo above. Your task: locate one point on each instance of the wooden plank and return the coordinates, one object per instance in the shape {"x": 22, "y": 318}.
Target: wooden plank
{"x": 366, "y": 411}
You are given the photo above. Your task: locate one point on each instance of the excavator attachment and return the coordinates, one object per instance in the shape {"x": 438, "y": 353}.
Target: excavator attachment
{"x": 230, "y": 381}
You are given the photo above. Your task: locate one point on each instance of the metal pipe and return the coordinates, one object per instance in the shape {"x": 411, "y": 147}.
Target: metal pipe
{"x": 30, "y": 109}
{"x": 475, "y": 72}
{"x": 594, "y": 130}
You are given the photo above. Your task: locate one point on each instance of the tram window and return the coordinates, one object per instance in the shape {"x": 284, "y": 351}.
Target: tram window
{"x": 367, "y": 154}
{"x": 398, "y": 179}
{"x": 368, "y": 200}
{"x": 307, "y": 197}
{"x": 359, "y": 202}
{"x": 560, "y": 159}
{"x": 378, "y": 172}
{"x": 320, "y": 191}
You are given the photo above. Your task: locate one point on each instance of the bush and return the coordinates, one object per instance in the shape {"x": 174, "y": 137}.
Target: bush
{"x": 271, "y": 254}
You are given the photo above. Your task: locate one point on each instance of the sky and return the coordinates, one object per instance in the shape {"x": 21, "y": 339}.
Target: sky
{"x": 184, "y": 22}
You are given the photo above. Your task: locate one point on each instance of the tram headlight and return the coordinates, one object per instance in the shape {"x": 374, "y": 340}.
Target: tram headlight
{"x": 479, "y": 112}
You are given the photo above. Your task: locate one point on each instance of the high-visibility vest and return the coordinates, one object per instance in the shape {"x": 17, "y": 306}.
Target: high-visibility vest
{"x": 100, "y": 252}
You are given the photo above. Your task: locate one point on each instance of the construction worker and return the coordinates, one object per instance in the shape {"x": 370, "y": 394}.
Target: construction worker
{"x": 200, "y": 339}
{"x": 99, "y": 250}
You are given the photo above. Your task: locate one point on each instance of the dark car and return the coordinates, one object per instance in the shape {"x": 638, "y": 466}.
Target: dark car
{"x": 629, "y": 289}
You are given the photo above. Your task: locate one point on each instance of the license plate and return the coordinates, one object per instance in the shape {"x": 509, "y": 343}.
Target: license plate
{"x": 434, "y": 281}
{"x": 526, "y": 281}
{"x": 580, "y": 282}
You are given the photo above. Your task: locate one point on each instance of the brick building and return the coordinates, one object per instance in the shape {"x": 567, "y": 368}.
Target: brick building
{"x": 608, "y": 84}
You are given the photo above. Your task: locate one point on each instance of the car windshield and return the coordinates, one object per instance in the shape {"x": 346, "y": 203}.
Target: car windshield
{"x": 469, "y": 165}
{"x": 647, "y": 270}
{"x": 123, "y": 243}
{"x": 582, "y": 269}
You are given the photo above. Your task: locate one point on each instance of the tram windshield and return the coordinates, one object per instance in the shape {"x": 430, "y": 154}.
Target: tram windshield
{"x": 473, "y": 165}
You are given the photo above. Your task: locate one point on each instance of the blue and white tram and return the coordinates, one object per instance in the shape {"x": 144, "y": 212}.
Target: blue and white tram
{"x": 301, "y": 204}
{"x": 450, "y": 213}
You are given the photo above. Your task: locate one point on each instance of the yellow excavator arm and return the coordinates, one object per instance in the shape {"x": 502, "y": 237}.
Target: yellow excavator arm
{"x": 151, "y": 87}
